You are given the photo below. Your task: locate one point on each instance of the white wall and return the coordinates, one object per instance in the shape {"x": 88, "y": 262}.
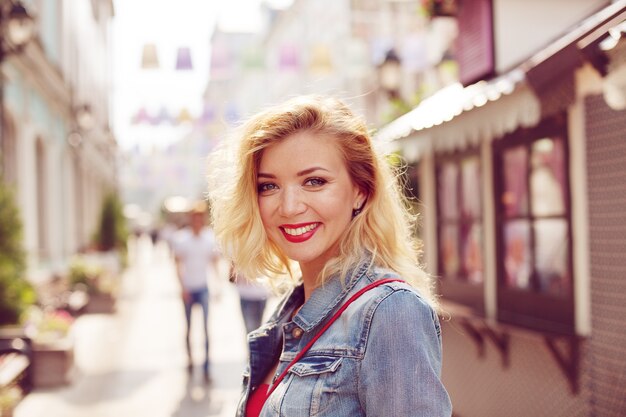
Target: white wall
{"x": 522, "y": 27}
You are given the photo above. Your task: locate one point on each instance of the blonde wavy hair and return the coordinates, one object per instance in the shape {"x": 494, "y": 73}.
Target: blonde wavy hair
{"x": 384, "y": 228}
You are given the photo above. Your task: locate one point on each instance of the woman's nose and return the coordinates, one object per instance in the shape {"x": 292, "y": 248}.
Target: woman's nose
{"x": 291, "y": 202}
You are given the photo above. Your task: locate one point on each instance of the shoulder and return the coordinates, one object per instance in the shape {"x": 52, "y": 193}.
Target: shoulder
{"x": 397, "y": 301}
{"x": 398, "y": 286}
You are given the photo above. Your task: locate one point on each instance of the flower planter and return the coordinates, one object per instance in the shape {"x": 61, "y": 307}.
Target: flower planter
{"x": 53, "y": 363}
{"x": 9, "y": 399}
{"x": 100, "y": 304}
{"x": 441, "y": 8}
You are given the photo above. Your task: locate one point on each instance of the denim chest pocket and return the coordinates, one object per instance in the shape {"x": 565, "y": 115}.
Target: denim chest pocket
{"x": 315, "y": 365}
{"x": 311, "y": 388}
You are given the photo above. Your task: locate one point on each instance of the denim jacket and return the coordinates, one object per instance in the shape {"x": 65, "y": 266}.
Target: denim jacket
{"x": 382, "y": 357}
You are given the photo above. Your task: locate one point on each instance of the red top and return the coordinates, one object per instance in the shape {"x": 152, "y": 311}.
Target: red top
{"x": 256, "y": 401}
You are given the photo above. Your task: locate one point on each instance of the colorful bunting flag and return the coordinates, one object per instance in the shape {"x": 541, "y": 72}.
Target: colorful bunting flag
{"x": 289, "y": 58}
{"x": 183, "y": 59}
{"x": 149, "y": 58}
{"x": 321, "y": 61}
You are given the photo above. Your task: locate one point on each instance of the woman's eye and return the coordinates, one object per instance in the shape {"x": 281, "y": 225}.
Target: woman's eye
{"x": 265, "y": 187}
{"x": 316, "y": 182}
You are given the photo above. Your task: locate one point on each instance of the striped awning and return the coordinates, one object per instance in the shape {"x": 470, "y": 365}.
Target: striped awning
{"x": 456, "y": 117}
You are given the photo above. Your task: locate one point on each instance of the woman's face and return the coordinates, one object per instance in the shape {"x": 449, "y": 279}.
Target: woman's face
{"x": 306, "y": 197}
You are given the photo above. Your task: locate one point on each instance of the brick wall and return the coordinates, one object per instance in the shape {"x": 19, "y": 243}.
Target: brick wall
{"x": 606, "y": 166}
{"x": 532, "y": 385}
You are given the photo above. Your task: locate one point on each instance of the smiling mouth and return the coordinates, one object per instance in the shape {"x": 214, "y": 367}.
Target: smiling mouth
{"x": 299, "y": 231}
{"x": 297, "y": 234}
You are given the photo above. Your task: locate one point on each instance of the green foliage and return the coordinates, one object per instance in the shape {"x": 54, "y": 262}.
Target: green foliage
{"x": 15, "y": 292}
{"x": 82, "y": 273}
{"x": 397, "y": 107}
{"x": 93, "y": 275}
{"x": 113, "y": 232}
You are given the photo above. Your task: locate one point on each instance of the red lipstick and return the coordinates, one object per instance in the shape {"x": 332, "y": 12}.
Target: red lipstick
{"x": 299, "y": 237}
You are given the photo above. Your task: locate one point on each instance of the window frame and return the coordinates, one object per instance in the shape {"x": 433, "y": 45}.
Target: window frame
{"x": 530, "y": 308}
{"x": 469, "y": 294}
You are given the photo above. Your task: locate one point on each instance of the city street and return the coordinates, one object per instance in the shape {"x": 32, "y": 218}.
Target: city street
{"x": 133, "y": 363}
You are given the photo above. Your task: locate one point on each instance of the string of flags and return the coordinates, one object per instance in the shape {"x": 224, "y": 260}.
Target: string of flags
{"x": 150, "y": 58}
{"x": 163, "y": 117}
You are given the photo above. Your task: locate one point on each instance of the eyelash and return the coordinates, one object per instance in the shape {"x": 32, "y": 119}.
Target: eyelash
{"x": 269, "y": 186}
{"x": 264, "y": 187}
{"x": 319, "y": 181}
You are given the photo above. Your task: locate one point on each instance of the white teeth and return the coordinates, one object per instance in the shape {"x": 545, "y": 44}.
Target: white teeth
{"x": 300, "y": 230}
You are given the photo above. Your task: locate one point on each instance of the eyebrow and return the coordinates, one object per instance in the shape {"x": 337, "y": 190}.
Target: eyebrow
{"x": 299, "y": 173}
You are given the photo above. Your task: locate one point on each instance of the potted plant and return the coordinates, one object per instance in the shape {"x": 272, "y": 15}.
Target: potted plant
{"x": 53, "y": 346}
{"x": 88, "y": 275}
{"x": 112, "y": 232}
{"x": 16, "y": 294}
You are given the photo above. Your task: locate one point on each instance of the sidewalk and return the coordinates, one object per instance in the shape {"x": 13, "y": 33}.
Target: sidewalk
{"x": 133, "y": 363}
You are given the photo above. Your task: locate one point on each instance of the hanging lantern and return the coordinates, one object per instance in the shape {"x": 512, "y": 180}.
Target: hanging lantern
{"x": 390, "y": 73}
{"x": 183, "y": 59}
{"x": 20, "y": 25}
{"x": 149, "y": 58}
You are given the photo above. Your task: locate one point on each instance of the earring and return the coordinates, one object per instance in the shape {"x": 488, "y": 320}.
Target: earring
{"x": 357, "y": 211}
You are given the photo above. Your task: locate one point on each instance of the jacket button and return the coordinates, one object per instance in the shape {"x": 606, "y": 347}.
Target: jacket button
{"x": 297, "y": 332}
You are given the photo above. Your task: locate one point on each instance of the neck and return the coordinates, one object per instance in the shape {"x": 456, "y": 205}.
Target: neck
{"x": 309, "y": 279}
{"x": 311, "y": 271}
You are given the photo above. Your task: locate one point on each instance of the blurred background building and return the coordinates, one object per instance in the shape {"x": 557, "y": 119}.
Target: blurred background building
{"x": 509, "y": 114}
{"x": 58, "y": 151}
{"x": 516, "y": 171}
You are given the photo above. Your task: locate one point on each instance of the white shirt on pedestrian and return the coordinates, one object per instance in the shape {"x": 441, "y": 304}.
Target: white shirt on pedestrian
{"x": 195, "y": 252}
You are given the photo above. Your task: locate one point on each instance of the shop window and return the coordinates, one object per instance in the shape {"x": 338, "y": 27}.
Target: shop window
{"x": 533, "y": 227}
{"x": 460, "y": 228}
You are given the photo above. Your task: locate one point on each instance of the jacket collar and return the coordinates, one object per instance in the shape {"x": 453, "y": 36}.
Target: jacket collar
{"x": 327, "y": 297}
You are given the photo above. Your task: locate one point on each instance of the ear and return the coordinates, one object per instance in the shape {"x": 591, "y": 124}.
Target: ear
{"x": 359, "y": 200}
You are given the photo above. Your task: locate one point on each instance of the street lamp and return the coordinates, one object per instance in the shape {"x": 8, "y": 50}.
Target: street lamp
{"x": 17, "y": 28}
{"x": 84, "y": 117}
{"x": 390, "y": 74}
{"x": 84, "y": 121}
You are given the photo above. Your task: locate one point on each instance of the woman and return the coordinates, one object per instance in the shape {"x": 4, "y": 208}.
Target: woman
{"x": 310, "y": 199}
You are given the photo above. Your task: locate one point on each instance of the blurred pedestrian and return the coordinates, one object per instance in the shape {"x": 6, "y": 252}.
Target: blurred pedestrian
{"x": 196, "y": 256}
{"x": 252, "y": 299}
{"x": 307, "y": 187}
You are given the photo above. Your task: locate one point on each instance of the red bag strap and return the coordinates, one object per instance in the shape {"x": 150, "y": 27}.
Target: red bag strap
{"x": 326, "y": 326}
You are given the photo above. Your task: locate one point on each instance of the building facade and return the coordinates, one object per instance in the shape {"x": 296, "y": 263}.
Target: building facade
{"x": 58, "y": 151}
{"x": 518, "y": 173}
